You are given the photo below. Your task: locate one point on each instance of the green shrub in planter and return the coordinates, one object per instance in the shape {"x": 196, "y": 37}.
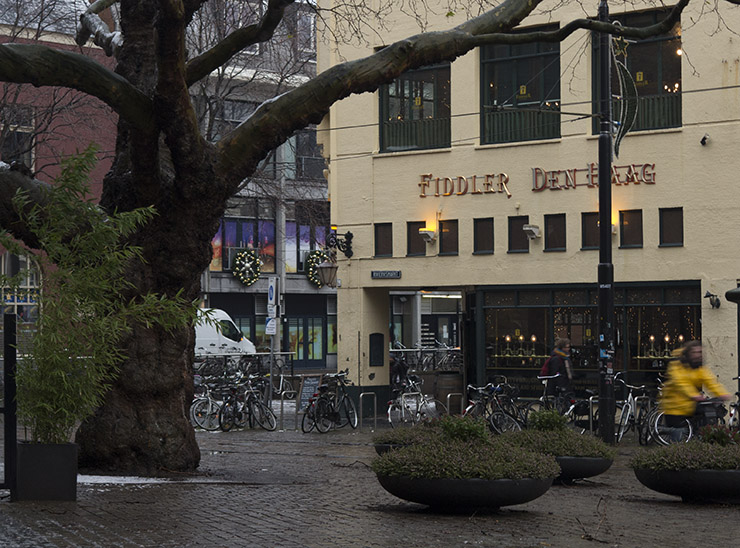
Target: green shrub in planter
{"x": 448, "y": 427}
{"x": 693, "y": 455}
{"x": 719, "y": 434}
{"x": 560, "y": 442}
{"x": 546, "y": 419}
{"x": 439, "y": 457}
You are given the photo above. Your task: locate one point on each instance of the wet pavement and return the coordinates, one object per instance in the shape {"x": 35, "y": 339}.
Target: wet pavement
{"x": 289, "y": 489}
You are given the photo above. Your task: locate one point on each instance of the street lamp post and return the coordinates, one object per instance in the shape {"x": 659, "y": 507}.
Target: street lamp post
{"x": 606, "y": 267}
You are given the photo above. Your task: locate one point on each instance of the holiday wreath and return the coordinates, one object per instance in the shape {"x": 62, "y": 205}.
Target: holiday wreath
{"x": 246, "y": 267}
{"x": 314, "y": 259}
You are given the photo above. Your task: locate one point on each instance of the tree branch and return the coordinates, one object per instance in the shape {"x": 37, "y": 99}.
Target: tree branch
{"x": 201, "y": 66}
{"x": 11, "y": 181}
{"x": 43, "y": 66}
{"x": 308, "y": 103}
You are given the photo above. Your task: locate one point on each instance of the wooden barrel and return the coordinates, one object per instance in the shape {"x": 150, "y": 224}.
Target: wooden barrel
{"x": 450, "y": 382}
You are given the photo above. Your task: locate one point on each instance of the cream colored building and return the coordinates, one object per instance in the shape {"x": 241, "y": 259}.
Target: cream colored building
{"x": 419, "y": 154}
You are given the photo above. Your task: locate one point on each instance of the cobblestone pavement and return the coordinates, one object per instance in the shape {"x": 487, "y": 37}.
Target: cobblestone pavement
{"x": 288, "y": 489}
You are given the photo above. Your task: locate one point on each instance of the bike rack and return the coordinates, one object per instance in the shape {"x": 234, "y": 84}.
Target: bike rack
{"x": 375, "y": 409}
{"x": 462, "y": 401}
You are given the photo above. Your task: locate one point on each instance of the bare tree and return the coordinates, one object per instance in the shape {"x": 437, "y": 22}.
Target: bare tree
{"x": 163, "y": 158}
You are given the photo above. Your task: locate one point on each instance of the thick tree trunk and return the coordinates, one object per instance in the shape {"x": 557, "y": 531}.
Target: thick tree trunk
{"x": 142, "y": 428}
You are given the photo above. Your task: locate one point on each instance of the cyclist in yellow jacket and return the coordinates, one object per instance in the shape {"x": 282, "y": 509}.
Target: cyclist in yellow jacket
{"x": 687, "y": 376}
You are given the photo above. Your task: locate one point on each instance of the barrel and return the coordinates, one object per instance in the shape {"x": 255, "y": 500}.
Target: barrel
{"x": 450, "y": 382}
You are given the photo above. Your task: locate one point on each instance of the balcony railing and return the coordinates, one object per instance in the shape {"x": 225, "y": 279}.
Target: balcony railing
{"x": 508, "y": 126}
{"x": 653, "y": 112}
{"x": 415, "y": 134}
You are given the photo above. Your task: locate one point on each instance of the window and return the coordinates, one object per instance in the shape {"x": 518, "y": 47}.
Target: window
{"x": 671, "y": 226}
{"x": 415, "y": 110}
{"x": 250, "y": 224}
{"x": 589, "y": 230}
{"x": 655, "y": 66}
{"x": 448, "y": 238}
{"x": 483, "y": 236}
{"x": 306, "y": 228}
{"x": 630, "y": 228}
{"x": 23, "y": 299}
{"x": 518, "y": 241}
{"x": 16, "y": 136}
{"x": 384, "y": 239}
{"x": 520, "y": 95}
{"x": 415, "y": 244}
{"x": 555, "y": 232}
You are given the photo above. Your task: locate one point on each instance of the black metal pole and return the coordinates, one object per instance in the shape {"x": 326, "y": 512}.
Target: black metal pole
{"x": 606, "y": 268}
{"x": 733, "y": 295}
{"x": 11, "y": 432}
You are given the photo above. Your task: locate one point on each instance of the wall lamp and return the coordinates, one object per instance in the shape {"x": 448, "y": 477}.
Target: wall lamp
{"x": 704, "y": 139}
{"x": 427, "y": 235}
{"x": 532, "y": 231}
{"x": 713, "y": 299}
{"x": 342, "y": 243}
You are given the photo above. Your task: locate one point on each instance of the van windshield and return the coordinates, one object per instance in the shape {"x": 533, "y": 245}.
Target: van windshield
{"x": 229, "y": 330}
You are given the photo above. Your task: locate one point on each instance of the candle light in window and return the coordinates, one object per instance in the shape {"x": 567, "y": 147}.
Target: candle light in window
{"x": 680, "y": 339}
{"x": 533, "y": 338}
{"x": 679, "y": 51}
{"x": 666, "y": 339}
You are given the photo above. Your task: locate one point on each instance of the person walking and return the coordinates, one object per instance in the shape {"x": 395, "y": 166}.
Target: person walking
{"x": 559, "y": 362}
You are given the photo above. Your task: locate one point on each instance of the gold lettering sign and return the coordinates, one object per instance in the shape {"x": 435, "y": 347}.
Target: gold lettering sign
{"x": 492, "y": 183}
{"x": 564, "y": 179}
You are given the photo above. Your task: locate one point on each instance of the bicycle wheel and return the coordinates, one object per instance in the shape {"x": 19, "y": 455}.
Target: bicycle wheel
{"x": 347, "y": 412}
{"x": 263, "y": 416}
{"x": 322, "y": 415}
{"x": 666, "y": 435}
{"x": 204, "y": 414}
{"x": 288, "y": 390}
{"x": 307, "y": 423}
{"x": 623, "y": 424}
{"x": 474, "y": 410}
{"x": 502, "y": 422}
{"x": 532, "y": 407}
{"x": 226, "y": 417}
{"x": 399, "y": 416}
{"x": 431, "y": 409}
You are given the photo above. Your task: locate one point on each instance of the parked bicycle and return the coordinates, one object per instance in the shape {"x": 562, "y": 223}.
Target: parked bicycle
{"x": 331, "y": 407}
{"x": 632, "y": 415}
{"x": 495, "y": 404}
{"x": 708, "y": 412}
{"x": 243, "y": 405}
{"x": 411, "y": 406}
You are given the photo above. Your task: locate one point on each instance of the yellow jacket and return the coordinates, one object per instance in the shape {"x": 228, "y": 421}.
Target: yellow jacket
{"x": 685, "y": 383}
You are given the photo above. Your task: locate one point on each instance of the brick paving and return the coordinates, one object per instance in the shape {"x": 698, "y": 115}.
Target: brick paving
{"x": 289, "y": 489}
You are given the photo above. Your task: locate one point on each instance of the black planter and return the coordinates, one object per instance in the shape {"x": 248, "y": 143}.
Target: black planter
{"x": 46, "y": 471}
{"x": 465, "y": 493}
{"x": 572, "y": 468}
{"x": 720, "y": 486}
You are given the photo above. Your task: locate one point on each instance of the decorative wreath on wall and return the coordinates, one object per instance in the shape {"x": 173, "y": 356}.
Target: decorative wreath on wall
{"x": 247, "y": 266}
{"x": 314, "y": 259}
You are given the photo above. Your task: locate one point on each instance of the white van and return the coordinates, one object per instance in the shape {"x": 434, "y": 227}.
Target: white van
{"x": 218, "y": 334}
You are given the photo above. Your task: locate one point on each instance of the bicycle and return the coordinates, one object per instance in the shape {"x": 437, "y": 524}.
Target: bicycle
{"x": 629, "y": 417}
{"x": 281, "y": 386}
{"x": 494, "y": 403}
{"x": 708, "y": 412}
{"x": 205, "y": 408}
{"x": 243, "y": 405}
{"x": 332, "y": 406}
{"x": 411, "y": 406}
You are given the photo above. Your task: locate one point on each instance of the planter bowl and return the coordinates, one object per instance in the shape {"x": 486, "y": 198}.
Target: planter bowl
{"x": 465, "y": 493}
{"x": 572, "y": 468}
{"x": 713, "y": 486}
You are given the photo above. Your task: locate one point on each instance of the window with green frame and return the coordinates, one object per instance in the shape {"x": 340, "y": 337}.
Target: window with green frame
{"x": 655, "y": 66}
{"x": 520, "y": 95}
{"x": 415, "y": 110}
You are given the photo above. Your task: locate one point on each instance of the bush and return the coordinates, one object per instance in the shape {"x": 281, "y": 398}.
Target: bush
{"x": 546, "y": 419}
{"x": 449, "y": 427}
{"x": 719, "y": 434}
{"x": 560, "y": 443}
{"x": 693, "y": 455}
{"x": 445, "y": 458}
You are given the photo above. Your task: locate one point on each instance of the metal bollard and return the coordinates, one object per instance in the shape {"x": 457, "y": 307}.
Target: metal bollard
{"x": 462, "y": 402}
{"x": 375, "y": 409}
{"x": 591, "y": 401}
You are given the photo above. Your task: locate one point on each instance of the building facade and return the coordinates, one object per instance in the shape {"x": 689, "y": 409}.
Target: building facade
{"x": 279, "y": 220}
{"x": 478, "y": 179}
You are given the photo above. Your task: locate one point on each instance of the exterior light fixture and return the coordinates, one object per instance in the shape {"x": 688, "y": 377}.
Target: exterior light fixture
{"x": 342, "y": 243}
{"x": 427, "y": 235}
{"x": 704, "y": 139}
{"x": 327, "y": 270}
{"x": 713, "y": 299}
